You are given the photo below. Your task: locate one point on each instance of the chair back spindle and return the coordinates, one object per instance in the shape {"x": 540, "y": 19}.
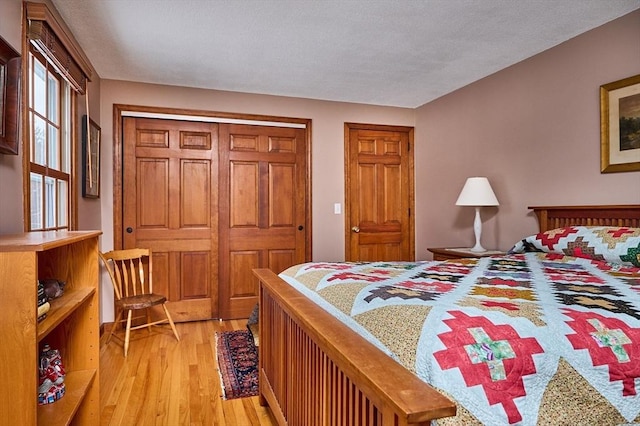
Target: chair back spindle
{"x": 131, "y": 274}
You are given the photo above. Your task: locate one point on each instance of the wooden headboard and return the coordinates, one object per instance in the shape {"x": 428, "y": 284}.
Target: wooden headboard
{"x": 551, "y": 217}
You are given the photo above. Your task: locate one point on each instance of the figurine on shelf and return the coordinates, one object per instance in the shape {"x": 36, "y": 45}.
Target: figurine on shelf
{"x": 51, "y": 385}
{"x": 52, "y": 288}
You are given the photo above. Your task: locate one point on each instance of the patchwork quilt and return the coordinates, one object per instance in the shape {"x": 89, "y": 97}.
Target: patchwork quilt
{"x": 527, "y": 338}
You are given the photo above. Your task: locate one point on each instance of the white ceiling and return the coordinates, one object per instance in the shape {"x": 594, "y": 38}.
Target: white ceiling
{"x": 384, "y": 52}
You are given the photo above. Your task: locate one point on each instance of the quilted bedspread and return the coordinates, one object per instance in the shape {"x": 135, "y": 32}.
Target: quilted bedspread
{"x": 531, "y": 338}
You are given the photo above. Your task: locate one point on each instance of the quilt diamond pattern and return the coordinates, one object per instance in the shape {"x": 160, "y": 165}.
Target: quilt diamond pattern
{"x": 504, "y": 337}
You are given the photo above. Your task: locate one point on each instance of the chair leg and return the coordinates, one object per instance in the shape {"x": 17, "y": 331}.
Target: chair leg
{"x": 127, "y": 333}
{"x": 147, "y": 310}
{"x": 115, "y": 324}
{"x": 173, "y": 327}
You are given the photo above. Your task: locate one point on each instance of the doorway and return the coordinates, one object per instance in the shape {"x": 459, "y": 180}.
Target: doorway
{"x": 213, "y": 199}
{"x": 379, "y": 193}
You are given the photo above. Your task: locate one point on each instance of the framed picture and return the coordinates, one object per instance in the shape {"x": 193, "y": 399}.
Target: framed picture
{"x": 10, "y": 64}
{"x": 620, "y": 126}
{"x": 90, "y": 158}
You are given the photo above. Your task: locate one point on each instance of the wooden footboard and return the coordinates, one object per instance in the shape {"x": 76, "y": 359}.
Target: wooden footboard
{"x": 316, "y": 371}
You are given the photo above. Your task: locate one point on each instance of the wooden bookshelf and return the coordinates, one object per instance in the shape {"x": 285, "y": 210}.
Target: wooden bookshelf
{"x": 71, "y": 326}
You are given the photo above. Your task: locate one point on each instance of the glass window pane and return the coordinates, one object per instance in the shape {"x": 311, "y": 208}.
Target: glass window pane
{"x": 36, "y": 201}
{"x": 54, "y": 97}
{"x": 50, "y": 121}
{"x": 39, "y": 87}
{"x": 39, "y": 143}
{"x": 65, "y": 134}
{"x": 54, "y": 143}
{"x": 62, "y": 203}
{"x": 49, "y": 202}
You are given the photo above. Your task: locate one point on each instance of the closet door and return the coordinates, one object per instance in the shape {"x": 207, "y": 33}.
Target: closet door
{"x": 170, "y": 205}
{"x": 263, "y": 196}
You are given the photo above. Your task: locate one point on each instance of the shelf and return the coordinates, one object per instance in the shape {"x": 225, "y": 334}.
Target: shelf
{"x": 62, "y": 411}
{"x": 62, "y": 307}
{"x": 45, "y": 240}
{"x": 71, "y": 326}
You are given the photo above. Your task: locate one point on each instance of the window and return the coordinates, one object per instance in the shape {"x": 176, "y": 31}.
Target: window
{"x": 50, "y": 144}
{"x": 57, "y": 72}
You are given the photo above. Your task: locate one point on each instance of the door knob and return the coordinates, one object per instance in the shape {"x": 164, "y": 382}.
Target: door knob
{"x": 129, "y": 230}
{"x": 355, "y": 229}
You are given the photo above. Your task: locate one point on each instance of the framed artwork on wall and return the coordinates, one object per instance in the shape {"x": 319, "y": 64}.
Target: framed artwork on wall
{"x": 90, "y": 158}
{"x": 10, "y": 64}
{"x": 620, "y": 125}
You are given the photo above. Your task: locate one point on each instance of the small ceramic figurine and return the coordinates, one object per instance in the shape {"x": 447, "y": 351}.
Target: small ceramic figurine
{"x": 52, "y": 374}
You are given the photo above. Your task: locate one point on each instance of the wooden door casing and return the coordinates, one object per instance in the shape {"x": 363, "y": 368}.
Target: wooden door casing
{"x": 170, "y": 206}
{"x": 167, "y": 264}
{"x": 379, "y": 193}
{"x": 263, "y": 205}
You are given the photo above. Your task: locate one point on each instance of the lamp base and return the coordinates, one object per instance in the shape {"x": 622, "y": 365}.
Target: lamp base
{"x": 477, "y": 230}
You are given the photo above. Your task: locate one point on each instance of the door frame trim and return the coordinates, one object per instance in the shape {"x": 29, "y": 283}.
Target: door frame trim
{"x": 347, "y": 173}
{"x": 123, "y": 110}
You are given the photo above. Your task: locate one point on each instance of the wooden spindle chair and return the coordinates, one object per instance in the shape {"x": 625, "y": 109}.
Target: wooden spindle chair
{"x": 134, "y": 290}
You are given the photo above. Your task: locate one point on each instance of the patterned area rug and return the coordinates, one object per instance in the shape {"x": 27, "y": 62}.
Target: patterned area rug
{"x": 237, "y": 364}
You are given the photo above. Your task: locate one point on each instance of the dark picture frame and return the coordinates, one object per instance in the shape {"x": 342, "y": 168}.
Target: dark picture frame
{"x": 90, "y": 158}
{"x": 10, "y": 72}
{"x": 620, "y": 125}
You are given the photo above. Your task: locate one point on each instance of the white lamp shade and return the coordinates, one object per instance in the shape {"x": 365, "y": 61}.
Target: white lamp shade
{"x": 477, "y": 192}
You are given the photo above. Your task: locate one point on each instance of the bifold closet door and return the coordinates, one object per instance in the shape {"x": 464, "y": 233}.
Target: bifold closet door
{"x": 170, "y": 205}
{"x": 262, "y": 208}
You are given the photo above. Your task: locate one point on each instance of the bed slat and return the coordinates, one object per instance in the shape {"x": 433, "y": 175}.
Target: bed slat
{"x": 307, "y": 379}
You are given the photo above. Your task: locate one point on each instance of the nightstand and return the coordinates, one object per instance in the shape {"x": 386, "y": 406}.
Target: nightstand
{"x": 457, "y": 253}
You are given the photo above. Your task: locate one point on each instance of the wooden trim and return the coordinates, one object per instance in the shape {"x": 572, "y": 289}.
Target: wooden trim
{"x": 118, "y": 113}
{"x": 41, "y": 12}
{"x": 75, "y": 166}
{"x": 347, "y": 183}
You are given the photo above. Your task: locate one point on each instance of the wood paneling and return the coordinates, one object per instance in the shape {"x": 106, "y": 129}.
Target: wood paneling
{"x": 379, "y": 192}
{"x": 263, "y": 209}
{"x": 171, "y": 207}
{"x": 259, "y": 200}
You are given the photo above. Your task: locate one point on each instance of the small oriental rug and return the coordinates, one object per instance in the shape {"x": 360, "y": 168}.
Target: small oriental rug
{"x": 237, "y": 364}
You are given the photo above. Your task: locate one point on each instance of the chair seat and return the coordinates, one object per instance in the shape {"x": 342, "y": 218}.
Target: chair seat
{"x": 141, "y": 301}
{"x": 130, "y": 271}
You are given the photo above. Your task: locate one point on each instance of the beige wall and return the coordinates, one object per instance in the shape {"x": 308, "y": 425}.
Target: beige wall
{"x": 534, "y": 130}
{"x": 328, "y": 120}
{"x": 11, "y": 165}
{"x": 11, "y": 178}
{"x": 327, "y": 143}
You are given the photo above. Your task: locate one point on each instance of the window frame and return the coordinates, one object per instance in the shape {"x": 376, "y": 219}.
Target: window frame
{"x": 66, "y": 122}
{"x": 44, "y": 29}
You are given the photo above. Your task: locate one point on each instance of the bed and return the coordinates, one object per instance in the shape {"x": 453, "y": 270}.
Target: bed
{"x": 549, "y": 334}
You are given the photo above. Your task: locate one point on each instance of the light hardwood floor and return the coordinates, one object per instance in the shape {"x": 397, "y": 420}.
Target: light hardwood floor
{"x": 166, "y": 382}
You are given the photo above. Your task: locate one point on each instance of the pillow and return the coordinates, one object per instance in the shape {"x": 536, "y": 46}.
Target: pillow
{"x": 613, "y": 244}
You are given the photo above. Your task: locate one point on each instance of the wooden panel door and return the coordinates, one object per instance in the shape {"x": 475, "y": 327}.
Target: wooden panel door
{"x": 379, "y": 193}
{"x": 263, "y": 199}
{"x": 170, "y": 172}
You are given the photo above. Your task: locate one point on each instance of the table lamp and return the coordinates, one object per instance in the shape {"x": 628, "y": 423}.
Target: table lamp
{"x": 477, "y": 193}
